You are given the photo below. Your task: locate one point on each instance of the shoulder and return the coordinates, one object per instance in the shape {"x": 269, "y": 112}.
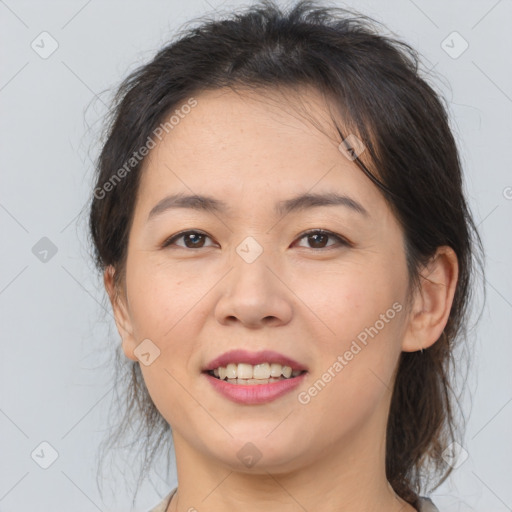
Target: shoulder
{"x": 162, "y": 506}
{"x": 426, "y": 505}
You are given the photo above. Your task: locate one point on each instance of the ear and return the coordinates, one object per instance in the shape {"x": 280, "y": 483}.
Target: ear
{"x": 433, "y": 301}
{"x": 121, "y": 314}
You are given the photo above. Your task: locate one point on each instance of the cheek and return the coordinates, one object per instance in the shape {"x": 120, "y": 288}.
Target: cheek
{"x": 350, "y": 299}
{"x": 162, "y": 298}
{"x": 353, "y": 378}
{"x": 357, "y": 356}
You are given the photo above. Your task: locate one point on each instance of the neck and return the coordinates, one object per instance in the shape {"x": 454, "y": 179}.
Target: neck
{"x": 347, "y": 478}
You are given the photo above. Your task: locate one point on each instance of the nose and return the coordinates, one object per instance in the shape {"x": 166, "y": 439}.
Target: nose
{"x": 255, "y": 295}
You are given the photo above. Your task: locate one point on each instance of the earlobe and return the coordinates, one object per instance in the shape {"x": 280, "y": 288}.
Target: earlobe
{"x": 433, "y": 301}
{"x": 121, "y": 314}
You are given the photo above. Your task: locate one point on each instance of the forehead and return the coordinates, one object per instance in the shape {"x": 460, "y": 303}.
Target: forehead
{"x": 236, "y": 145}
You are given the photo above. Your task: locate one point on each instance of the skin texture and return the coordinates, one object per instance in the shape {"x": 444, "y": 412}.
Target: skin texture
{"x": 303, "y": 300}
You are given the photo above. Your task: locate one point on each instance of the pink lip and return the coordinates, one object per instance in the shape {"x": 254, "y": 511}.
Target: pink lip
{"x": 243, "y": 356}
{"x": 257, "y": 393}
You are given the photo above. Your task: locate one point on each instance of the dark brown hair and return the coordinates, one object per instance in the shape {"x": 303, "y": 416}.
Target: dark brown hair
{"x": 373, "y": 81}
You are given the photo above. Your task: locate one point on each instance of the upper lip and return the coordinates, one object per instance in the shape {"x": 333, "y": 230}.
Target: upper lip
{"x": 244, "y": 356}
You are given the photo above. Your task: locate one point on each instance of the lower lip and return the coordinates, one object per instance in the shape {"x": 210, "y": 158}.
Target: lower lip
{"x": 255, "y": 393}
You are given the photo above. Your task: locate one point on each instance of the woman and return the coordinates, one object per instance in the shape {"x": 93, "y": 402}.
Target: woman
{"x": 279, "y": 218}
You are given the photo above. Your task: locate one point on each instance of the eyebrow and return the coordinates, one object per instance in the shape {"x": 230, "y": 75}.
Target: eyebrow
{"x": 298, "y": 203}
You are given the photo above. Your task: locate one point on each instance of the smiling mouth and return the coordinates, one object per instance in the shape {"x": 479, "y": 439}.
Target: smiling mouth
{"x": 247, "y": 374}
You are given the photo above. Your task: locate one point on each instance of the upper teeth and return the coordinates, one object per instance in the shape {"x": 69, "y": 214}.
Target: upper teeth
{"x": 257, "y": 371}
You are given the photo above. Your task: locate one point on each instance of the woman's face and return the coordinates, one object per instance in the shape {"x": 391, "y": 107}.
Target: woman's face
{"x": 250, "y": 278}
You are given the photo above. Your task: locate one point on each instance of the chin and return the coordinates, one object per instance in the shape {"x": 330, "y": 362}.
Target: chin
{"x": 259, "y": 454}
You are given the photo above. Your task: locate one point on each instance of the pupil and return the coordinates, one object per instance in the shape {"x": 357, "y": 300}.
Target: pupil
{"x": 317, "y": 235}
{"x": 193, "y": 235}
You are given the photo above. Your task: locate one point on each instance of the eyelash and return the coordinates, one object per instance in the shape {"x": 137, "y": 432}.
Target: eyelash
{"x": 342, "y": 241}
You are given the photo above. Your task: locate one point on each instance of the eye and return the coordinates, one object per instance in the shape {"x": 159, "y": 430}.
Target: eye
{"x": 195, "y": 239}
{"x": 192, "y": 239}
{"x": 318, "y": 237}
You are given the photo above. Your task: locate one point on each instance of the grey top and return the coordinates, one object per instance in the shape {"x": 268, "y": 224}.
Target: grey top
{"x": 426, "y": 504}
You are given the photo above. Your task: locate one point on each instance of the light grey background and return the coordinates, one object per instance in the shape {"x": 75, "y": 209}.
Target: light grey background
{"x": 55, "y": 379}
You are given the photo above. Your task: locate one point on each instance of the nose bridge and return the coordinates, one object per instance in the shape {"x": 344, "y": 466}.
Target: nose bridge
{"x": 249, "y": 250}
{"x": 253, "y": 294}
{"x": 251, "y": 260}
